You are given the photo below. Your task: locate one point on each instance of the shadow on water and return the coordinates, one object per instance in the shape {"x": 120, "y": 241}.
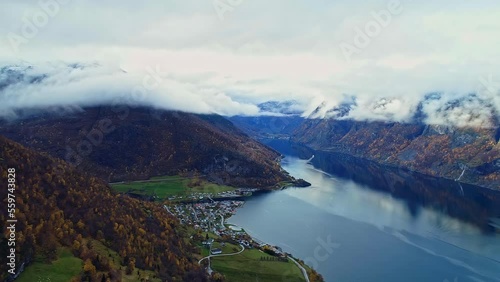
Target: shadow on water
{"x": 468, "y": 203}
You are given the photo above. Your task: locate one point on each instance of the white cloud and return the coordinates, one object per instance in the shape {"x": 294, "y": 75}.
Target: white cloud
{"x": 93, "y": 85}
{"x": 279, "y": 50}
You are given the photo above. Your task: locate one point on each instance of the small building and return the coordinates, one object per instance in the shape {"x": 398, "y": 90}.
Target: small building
{"x": 208, "y": 242}
{"x": 216, "y": 251}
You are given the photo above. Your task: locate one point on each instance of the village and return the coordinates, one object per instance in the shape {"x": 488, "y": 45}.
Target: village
{"x": 235, "y": 194}
{"x": 205, "y": 213}
{"x": 210, "y": 218}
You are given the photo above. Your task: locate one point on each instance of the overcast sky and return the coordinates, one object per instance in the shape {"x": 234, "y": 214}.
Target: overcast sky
{"x": 224, "y": 56}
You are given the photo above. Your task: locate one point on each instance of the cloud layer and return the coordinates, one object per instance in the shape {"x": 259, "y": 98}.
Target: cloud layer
{"x": 260, "y": 51}
{"x": 86, "y": 85}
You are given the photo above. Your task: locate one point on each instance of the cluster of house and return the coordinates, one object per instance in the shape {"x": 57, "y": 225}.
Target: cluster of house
{"x": 196, "y": 196}
{"x": 208, "y": 217}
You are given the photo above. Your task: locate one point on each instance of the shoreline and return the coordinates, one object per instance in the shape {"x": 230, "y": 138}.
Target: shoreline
{"x": 205, "y": 213}
{"x": 479, "y": 185}
{"x": 263, "y": 243}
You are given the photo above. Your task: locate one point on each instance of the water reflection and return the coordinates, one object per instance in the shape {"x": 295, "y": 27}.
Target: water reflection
{"x": 386, "y": 224}
{"x": 418, "y": 211}
{"x": 476, "y": 205}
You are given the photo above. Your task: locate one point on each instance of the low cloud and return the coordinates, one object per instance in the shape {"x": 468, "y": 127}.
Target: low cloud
{"x": 23, "y": 87}
{"x": 262, "y": 51}
{"x": 80, "y": 85}
{"x": 478, "y": 109}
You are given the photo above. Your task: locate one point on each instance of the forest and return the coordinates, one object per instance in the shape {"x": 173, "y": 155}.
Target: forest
{"x": 58, "y": 206}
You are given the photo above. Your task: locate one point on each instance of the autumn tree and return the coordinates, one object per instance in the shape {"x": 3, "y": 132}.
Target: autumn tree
{"x": 89, "y": 271}
{"x": 130, "y": 266}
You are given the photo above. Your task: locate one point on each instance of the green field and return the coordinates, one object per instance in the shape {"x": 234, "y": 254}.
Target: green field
{"x": 247, "y": 266}
{"x": 168, "y": 186}
{"x": 62, "y": 269}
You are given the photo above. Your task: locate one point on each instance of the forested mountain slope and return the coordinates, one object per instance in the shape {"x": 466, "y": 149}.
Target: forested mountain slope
{"x": 471, "y": 155}
{"x": 57, "y": 205}
{"x": 120, "y": 143}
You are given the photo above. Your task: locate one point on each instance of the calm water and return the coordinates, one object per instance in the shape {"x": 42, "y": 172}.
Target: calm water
{"x": 361, "y": 222}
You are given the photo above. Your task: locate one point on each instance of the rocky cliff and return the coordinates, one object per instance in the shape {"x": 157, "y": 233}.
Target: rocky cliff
{"x": 470, "y": 155}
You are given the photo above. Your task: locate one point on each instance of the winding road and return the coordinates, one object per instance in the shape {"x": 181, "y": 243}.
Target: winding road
{"x": 302, "y": 269}
{"x": 155, "y": 180}
{"x": 304, "y": 272}
{"x": 165, "y": 206}
{"x": 221, "y": 255}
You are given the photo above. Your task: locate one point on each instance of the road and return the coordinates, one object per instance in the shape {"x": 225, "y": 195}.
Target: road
{"x": 165, "y": 206}
{"x": 156, "y": 180}
{"x": 143, "y": 181}
{"x": 302, "y": 269}
{"x": 304, "y": 272}
{"x": 222, "y": 255}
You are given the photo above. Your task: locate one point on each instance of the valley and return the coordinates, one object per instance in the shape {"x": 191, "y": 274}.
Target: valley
{"x": 205, "y": 207}
{"x": 242, "y": 141}
{"x": 229, "y": 168}
{"x": 469, "y": 155}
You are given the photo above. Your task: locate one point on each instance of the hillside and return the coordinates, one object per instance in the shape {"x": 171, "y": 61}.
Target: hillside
{"x": 471, "y": 155}
{"x": 58, "y": 206}
{"x": 120, "y": 143}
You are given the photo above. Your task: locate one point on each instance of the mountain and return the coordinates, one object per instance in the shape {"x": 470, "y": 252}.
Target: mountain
{"x": 278, "y": 119}
{"x": 470, "y": 155}
{"x": 289, "y": 107}
{"x": 60, "y": 207}
{"x": 12, "y": 75}
{"x": 330, "y": 110}
{"x": 120, "y": 143}
{"x": 467, "y": 154}
{"x": 268, "y": 126}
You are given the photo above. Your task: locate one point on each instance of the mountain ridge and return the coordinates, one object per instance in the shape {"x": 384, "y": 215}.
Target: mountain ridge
{"x": 470, "y": 155}
{"x": 120, "y": 142}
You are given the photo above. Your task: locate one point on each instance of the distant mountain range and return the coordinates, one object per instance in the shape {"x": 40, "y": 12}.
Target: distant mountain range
{"x": 153, "y": 142}
{"x": 268, "y": 126}
{"x": 470, "y": 155}
{"x": 277, "y": 120}
{"x": 289, "y": 107}
{"x": 328, "y": 110}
